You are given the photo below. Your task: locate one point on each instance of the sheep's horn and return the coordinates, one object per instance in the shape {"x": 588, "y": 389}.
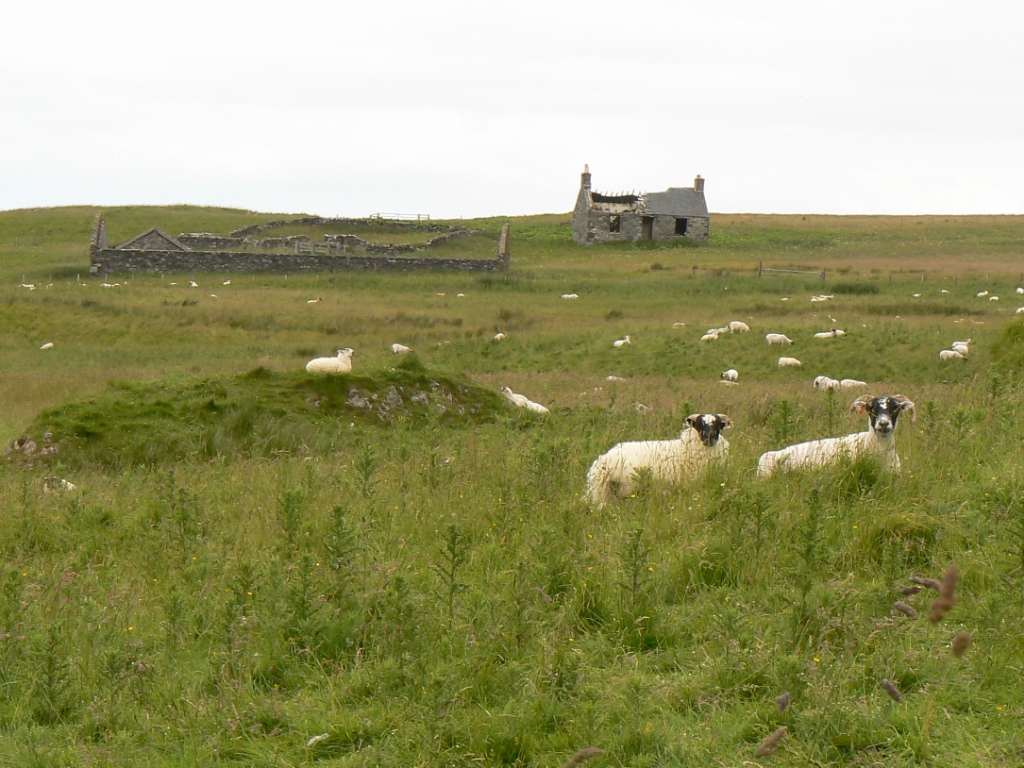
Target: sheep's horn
{"x": 725, "y": 420}
{"x": 909, "y": 405}
{"x": 861, "y": 403}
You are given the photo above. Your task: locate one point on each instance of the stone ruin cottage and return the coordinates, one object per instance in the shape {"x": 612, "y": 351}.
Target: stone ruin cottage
{"x": 676, "y": 212}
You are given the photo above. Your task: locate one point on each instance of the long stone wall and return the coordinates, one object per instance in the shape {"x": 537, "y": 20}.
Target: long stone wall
{"x": 114, "y": 261}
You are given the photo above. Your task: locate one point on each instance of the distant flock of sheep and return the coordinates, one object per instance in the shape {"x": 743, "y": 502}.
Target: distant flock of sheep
{"x": 701, "y": 445}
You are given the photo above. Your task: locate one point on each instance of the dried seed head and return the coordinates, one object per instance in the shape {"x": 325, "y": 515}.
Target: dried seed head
{"x": 948, "y": 584}
{"x": 939, "y": 607}
{"x": 905, "y": 609}
{"x": 924, "y": 581}
{"x": 960, "y": 644}
{"x": 892, "y": 690}
{"x": 584, "y": 754}
{"x": 782, "y": 702}
{"x": 768, "y": 746}
{"x": 910, "y": 590}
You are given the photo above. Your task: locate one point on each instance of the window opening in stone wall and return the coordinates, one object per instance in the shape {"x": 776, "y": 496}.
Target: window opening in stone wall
{"x": 681, "y": 226}
{"x": 614, "y": 223}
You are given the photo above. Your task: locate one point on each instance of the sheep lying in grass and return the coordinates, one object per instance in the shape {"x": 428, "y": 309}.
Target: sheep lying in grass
{"x": 876, "y": 441}
{"x": 789, "y": 362}
{"x": 522, "y": 401}
{"x": 341, "y": 363}
{"x": 673, "y": 462}
{"x": 400, "y": 349}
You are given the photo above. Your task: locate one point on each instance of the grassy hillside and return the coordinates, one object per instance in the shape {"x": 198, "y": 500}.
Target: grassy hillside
{"x": 250, "y": 565}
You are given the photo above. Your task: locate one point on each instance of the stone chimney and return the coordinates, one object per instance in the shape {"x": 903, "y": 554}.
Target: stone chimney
{"x": 698, "y": 184}
{"x": 585, "y": 177}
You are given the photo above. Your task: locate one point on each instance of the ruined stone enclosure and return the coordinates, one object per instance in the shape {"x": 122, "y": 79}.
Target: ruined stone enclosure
{"x": 255, "y": 249}
{"x": 676, "y": 212}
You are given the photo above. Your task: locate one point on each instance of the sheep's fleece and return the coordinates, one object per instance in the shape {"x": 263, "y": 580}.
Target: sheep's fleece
{"x": 668, "y": 461}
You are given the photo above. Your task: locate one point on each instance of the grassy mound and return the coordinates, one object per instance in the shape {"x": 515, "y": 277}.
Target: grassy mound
{"x": 260, "y": 413}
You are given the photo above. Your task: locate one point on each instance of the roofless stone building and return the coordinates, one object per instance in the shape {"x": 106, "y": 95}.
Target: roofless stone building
{"x": 676, "y": 212}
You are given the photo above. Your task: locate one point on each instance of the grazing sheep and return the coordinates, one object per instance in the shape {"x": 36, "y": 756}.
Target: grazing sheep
{"x": 47, "y": 345}
{"x": 193, "y": 284}
{"x": 789, "y": 362}
{"x": 982, "y": 294}
{"x": 950, "y": 354}
{"x": 523, "y": 401}
{"x": 1020, "y": 290}
{"x": 622, "y": 342}
{"x": 824, "y": 383}
{"x": 400, "y": 349}
{"x": 569, "y": 296}
{"x": 777, "y": 338}
{"x": 993, "y": 298}
{"x": 673, "y": 462}
{"x": 342, "y": 363}
{"x": 317, "y": 300}
{"x": 963, "y": 349}
{"x": 882, "y": 412}
{"x": 1020, "y": 311}
{"x": 833, "y": 334}
{"x": 737, "y": 326}
{"x": 851, "y": 383}
{"x": 730, "y": 375}
{"x": 499, "y": 336}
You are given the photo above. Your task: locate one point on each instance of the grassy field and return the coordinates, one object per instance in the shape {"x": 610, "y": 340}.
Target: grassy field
{"x": 395, "y": 568}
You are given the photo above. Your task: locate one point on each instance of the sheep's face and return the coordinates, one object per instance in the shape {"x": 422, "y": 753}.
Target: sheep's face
{"x": 883, "y": 412}
{"x": 709, "y": 426}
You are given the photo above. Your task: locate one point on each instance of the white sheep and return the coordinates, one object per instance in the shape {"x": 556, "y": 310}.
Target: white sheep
{"x": 982, "y": 294}
{"x": 1020, "y": 290}
{"x": 671, "y": 462}
{"x": 789, "y": 362}
{"x": 499, "y": 336}
{"x": 993, "y": 298}
{"x": 709, "y": 337}
{"x": 851, "y": 383}
{"x": 341, "y": 363}
{"x": 833, "y": 334}
{"x": 400, "y": 349}
{"x": 569, "y": 296}
{"x": 738, "y": 326}
{"x": 950, "y": 354}
{"x": 825, "y": 383}
{"x": 622, "y": 342}
{"x": 47, "y": 345}
{"x": 962, "y": 349}
{"x": 876, "y": 441}
{"x": 523, "y": 401}
{"x": 777, "y": 338}
{"x": 730, "y": 375}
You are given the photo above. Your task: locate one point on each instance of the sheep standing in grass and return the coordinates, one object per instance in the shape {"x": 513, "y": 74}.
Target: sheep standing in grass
{"x": 730, "y": 375}
{"x": 341, "y": 363}
{"x": 789, "y": 362}
{"x": 622, "y": 342}
{"x": 825, "y": 383}
{"x": 738, "y": 326}
{"x": 522, "y": 401}
{"x": 673, "y": 462}
{"x": 876, "y": 441}
{"x": 950, "y": 354}
{"x": 777, "y": 338}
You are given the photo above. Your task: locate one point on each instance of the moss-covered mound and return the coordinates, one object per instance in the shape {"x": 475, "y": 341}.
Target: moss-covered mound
{"x": 254, "y": 414}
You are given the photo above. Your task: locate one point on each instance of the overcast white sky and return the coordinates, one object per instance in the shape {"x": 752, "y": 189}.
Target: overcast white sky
{"x": 482, "y": 108}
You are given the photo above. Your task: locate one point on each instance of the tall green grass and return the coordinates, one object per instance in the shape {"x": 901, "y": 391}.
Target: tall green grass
{"x": 254, "y": 568}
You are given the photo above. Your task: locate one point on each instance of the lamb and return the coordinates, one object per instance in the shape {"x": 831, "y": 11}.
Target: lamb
{"x": 950, "y": 354}
{"x": 400, "y": 349}
{"x": 789, "y": 362}
{"x": 523, "y": 401}
{"x": 672, "y": 462}
{"x": 342, "y": 363}
{"x": 777, "y": 338}
{"x": 833, "y": 334}
{"x": 730, "y": 375}
{"x": 737, "y": 326}
{"x": 882, "y": 412}
{"x": 622, "y": 342}
{"x": 962, "y": 349}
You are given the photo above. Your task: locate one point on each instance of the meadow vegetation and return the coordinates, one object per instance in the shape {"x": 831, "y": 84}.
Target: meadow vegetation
{"x": 257, "y": 566}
